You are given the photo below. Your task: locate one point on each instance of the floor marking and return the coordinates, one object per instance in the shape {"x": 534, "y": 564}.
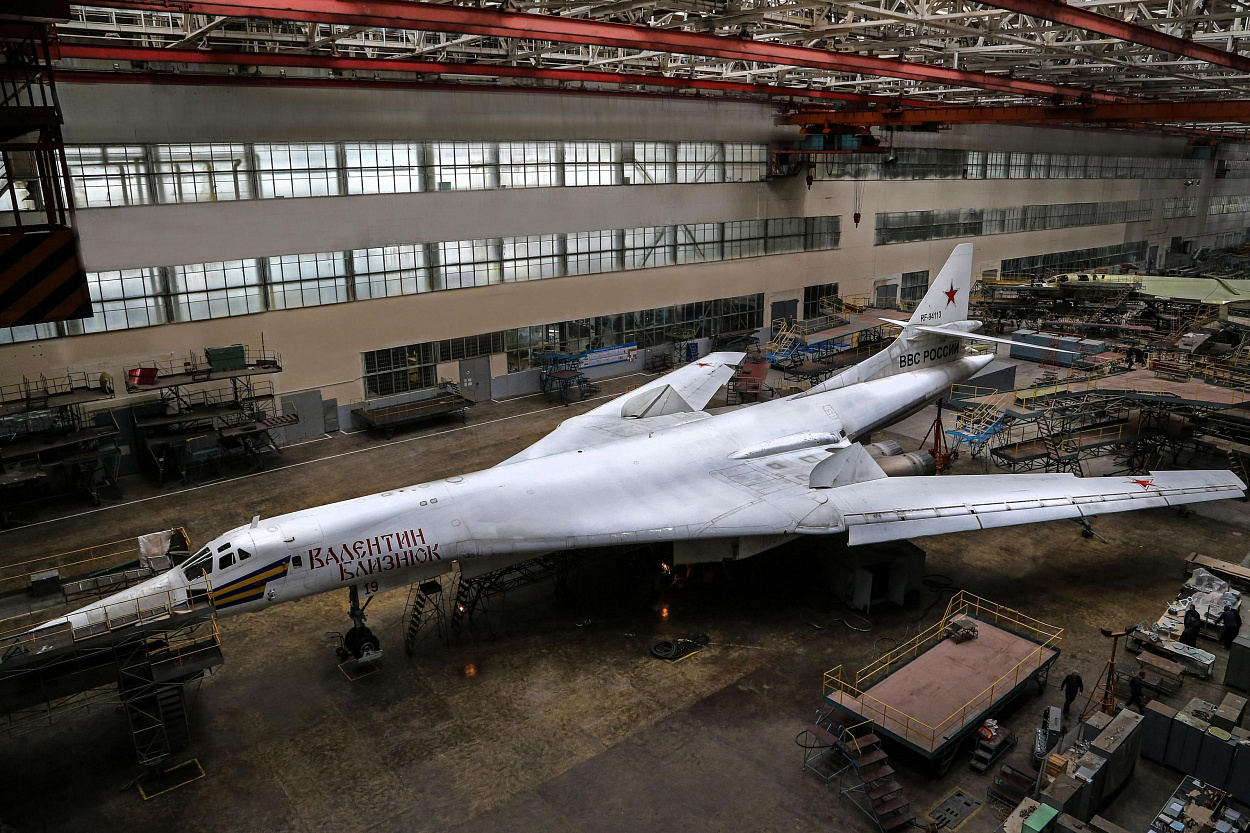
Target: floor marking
{"x": 193, "y": 777}
{"x": 164, "y": 495}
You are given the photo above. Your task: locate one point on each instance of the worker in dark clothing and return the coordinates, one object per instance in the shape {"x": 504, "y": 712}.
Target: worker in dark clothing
{"x": 1135, "y": 686}
{"x": 1072, "y": 685}
{"x": 1193, "y": 625}
{"x": 1231, "y": 620}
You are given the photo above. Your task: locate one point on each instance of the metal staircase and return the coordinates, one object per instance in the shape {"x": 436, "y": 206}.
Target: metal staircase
{"x": 854, "y": 757}
{"x": 451, "y": 602}
{"x": 785, "y": 343}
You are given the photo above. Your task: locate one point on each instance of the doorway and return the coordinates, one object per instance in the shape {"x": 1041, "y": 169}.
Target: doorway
{"x": 788, "y": 310}
{"x": 475, "y": 379}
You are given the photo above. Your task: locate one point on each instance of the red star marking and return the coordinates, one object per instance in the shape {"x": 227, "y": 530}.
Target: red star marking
{"x": 704, "y": 364}
{"x": 1145, "y": 484}
{"x": 950, "y": 294}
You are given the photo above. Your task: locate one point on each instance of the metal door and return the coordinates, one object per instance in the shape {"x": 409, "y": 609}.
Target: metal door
{"x": 475, "y": 378}
{"x": 886, "y": 296}
{"x": 788, "y": 310}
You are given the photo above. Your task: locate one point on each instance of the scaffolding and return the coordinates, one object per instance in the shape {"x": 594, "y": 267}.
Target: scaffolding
{"x": 196, "y": 428}
{"x": 1059, "y": 424}
{"x": 141, "y": 654}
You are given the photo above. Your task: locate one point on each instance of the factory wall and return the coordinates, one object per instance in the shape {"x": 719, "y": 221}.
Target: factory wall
{"x": 322, "y": 344}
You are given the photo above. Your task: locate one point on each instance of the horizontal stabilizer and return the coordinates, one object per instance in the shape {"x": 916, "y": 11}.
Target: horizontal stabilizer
{"x": 942, "y": 331}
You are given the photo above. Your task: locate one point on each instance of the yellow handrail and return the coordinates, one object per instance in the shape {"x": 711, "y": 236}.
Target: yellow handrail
{"x": 962, "y": 604}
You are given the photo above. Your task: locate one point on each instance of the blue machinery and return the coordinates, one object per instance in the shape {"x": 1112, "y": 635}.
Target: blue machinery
{"x": 561, "y": 373}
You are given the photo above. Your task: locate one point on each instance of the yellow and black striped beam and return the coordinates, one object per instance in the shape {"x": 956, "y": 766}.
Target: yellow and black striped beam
{"x": 41, "y": 278}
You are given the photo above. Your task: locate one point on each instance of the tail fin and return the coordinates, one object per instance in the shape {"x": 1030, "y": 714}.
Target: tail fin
{"x": 946, "y": 302}
{"x": 947, "y": 298}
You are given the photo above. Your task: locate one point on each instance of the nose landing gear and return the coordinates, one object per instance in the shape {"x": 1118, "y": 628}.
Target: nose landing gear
{"x": 359, "y": 643}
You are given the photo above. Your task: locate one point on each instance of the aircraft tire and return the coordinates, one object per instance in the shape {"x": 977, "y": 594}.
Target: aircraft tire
{"x": 360, "y": 640}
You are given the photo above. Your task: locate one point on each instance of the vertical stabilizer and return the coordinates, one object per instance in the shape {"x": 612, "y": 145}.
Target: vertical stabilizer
{"x": 947, "y": 298}
{"x": 946, "y": 302}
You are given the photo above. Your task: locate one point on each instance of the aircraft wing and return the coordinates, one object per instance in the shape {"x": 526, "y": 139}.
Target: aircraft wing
{"x": 672, "y": 399}
{"x": 893, "y": 508}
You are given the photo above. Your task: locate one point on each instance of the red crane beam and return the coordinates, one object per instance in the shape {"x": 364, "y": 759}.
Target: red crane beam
{"x": 292, "y": 60}
{"x": 506, "y": 24}
{"x": 1131, "y": 113}
{"x": 1122, "y": 30}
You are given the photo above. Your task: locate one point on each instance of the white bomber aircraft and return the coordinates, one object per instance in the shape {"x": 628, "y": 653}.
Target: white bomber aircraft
{"x": 652, "y": 466}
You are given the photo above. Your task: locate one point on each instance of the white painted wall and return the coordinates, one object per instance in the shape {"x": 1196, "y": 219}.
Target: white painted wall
{"x": 322, "y": 345}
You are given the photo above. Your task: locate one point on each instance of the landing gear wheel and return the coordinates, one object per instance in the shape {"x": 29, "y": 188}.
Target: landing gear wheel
{"x": 1185, "y": 512}
{"x": 1087, "y": 533}
{"x": 360, "y": 641}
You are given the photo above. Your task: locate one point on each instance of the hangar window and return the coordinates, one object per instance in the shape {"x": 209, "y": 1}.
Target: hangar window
{"x": 388, "y": 271}
{"x": 592, "y": 163}
{"x": 591, "y": 251}
{"x": 203, "y": 172}
{"x": 307, "y": 169}
{"x": 463, "y": 166}
{"x": 698, "y": 242}
{"x": 744, "y": 238}
{"x": 813, "y": 296}
{"x": 785, "y": 234}
{"x": 746, "y": 163}
{"x": 108, "y": 175}
{"x": 465, "y": 263}
{"x": 307, "y": 280}
{"x": 648, "y": 246}
{"x": 653, "y": 162}
{"x": 124, "y": 300}
{"x": 382, "y": 167}
{"x": 216, "y": 290}
{"x": 996, "y": 165}
{"x": 529, "y": 164}
{"x": 700, "y": 162}
{"x": 914, "y": 286}
{"x": 530, "y": 258}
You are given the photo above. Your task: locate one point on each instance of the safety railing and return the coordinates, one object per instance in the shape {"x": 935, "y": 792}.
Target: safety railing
{"x": 150, "y": 374}
{"x": 811, "y": 326}
{"x": 43, "y": 387}
{"x": 107, "y": 618}
{"x": 75, "y": 562}
{"x": 916, "y": 731}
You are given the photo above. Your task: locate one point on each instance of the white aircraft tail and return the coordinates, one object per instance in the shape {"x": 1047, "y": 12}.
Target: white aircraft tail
{"x": 917, "y": 346}
{"x": 947, "y": 298}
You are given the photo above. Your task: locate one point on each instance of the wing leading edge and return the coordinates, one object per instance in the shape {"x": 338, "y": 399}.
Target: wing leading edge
{"x": 894, "y": 508}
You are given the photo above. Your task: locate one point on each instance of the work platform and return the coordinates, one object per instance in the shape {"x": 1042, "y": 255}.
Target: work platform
{"x": 833, "y": 339}
{"x": 139, "y": 654}
{"x": 931, "y": 693}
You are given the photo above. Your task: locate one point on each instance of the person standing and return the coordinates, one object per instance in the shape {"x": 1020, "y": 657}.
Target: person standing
{"x": 1193, "y": 625}
{"x": 1072, "y": 685}
{"x": 1135, "y": 686}
{"x": 1231, "y": 620}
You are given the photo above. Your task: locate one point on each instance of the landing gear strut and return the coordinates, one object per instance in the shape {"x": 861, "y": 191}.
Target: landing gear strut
{"x": 359, "y": 642}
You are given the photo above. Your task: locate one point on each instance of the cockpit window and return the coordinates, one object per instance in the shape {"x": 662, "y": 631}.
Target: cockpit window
{"x": 225, "y": 561}
{"x": 244, "y": 555}
{"x": 224, "y": 547}
{"x": 201, "y": 565}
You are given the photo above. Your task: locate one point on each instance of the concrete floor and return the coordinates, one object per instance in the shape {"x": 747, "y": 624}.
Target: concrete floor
{"x": 547, "y": 726}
